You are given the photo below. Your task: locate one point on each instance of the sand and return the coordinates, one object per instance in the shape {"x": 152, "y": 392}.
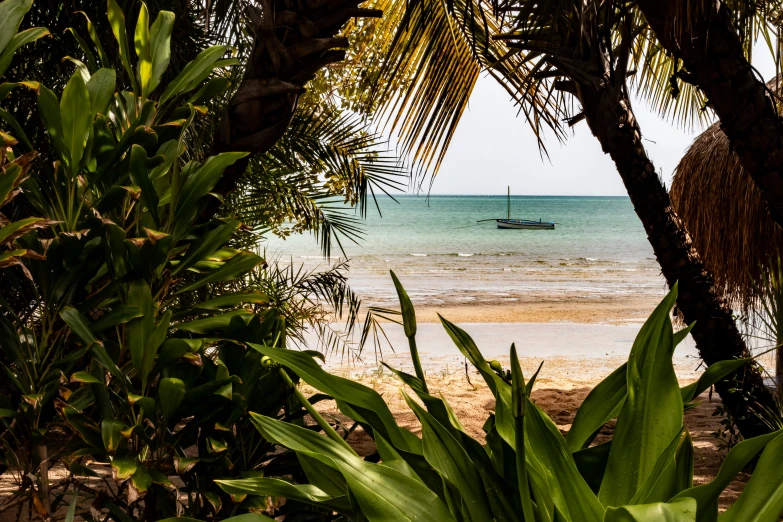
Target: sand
{"x": 609, "y": 310}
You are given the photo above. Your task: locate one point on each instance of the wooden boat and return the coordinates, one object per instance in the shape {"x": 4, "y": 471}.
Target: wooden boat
{"x": 523, "y": 224}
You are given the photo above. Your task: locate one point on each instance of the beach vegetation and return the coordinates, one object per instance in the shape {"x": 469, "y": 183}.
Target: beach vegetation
{"x": 527, "y": 470}
{"x": 126, "y": 303}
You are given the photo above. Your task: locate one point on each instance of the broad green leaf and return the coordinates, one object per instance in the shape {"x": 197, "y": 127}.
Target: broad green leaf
{"x": 214, "y": 323}
{"x": 194, "y": 72}
{"x": 11, "y": 14}
{"x": 141, "y": 479}
{"x": 18, "y": 40}
{"x": 49, "y": 109}
{"x": 446, "y": 455}
{"x": 76, "y": 120}
{"x": 237, "y": 266}
{"x": 81, "y": 68}
{"x": 17, "y": 227}
{"x": 384, "y": 493}
{"x": 141, "y": 42}
{"x": 154, "y": 341}
{"x": 232, "y": 300}
{"x": 248, "y": 517}
{"x": 101, "y": 89}
{"x": 139, "y": 330}
{"x": 662, "y": 480}
{"x": 118, "y": 27}
{"x": 408, "y": 312}
{"x": 111, "y": 431}
{"x": 367, "y": 400}
{"x": 124, "y": 468}
{"x": 171, "y": 391}
{"x": 601, "y": 405}
{"x": 119, "y": 315}
{"x": 202, "y": 178}
{"x": 137, "y": 168}
{"x": 77, "y": 323}
{"x": 712, "y": 375}
{"x": 546, "y": 446}
{"x": 762, "y": 498}
{"x": 85, "y": 377}
{"x": 306, "y": 493}
{"x": 651, "y": 415}
{"x": 681, "y": 510}
{"x": 160, "y": 46}
{"x": 206, "y": 244}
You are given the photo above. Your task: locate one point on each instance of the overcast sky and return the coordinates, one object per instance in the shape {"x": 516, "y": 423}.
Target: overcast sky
{"x": 493, "y": 148}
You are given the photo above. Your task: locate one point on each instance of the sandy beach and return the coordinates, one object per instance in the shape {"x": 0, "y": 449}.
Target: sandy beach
{"x": 613, "y": 309}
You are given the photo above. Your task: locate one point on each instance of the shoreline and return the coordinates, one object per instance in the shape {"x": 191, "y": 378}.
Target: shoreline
{"x": 583, "y": 310}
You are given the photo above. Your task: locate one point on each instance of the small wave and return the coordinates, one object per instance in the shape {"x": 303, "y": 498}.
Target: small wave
{"x": 419, "y": 255}
{"x": 464, "y": 255}
{"x": 590, "y": 259}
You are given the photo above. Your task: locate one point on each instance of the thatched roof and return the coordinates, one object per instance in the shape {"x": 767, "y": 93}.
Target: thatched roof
{"x": 725, "y": 215}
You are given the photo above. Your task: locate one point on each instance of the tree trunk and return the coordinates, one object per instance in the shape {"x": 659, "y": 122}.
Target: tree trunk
{"x": 293, "y": 40}
{"x": 609, "y": 115}
{"x": 711, "y": 50}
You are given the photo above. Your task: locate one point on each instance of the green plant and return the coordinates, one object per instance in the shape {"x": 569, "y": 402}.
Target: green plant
{"x": 527, "y": 470}
{"x": 124, "y": 324}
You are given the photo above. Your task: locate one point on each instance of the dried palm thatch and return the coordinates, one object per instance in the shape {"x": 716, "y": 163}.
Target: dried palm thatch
{"x": 727, "y": 217}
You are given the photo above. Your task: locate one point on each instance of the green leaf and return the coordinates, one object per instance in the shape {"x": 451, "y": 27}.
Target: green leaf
{"x": 232, "y": 300}
{"x": 71, "y": 515}
{"x": 406, "y": 307}
{"x": 194, "y": 72}
{"x": 305, "y": 493}
{"x": 207, "y": 244}
{"x": 248, "y": 517}
{"x": 117, "y": 22}
{"x": 544, "y": 445}
{"x": 119, "y": 315}
{"x": 111, "y": 431}
{"x": 76, "y": 121}
{"x": 95, "y": 39}
{"x": 139, "y": 330}
{"x": 137, "y": 168}
{"x": 447, "y": 456}
{"x": 363, "y": 399}
{"x": 85, "y": 377}
{"x": 737, "y": 459}
{"x": 202, "y": 178}
{"x": 101, "y": 88}
{"x": 49, "y": 109}
{"x": 160, "y": 47}
{"x": 681, "y": 510}
{"x": 171, "y": 392}
{"x": 151, "y": 348}
{"x": 651, "y": 415}
{"x": 17, "y": 228}
{"x": 18, "y": 40}
{"x": 77, "y": 323}
{"x": 141, "y": 42}
{"x": 712, "y": 375}
{"x": 601, "y": 405}
{"x": 238, "y": 265}
{"x": 11, "y": 14}
{"x": 384, "y": 493}
{"x": 122, "y": 469}
{"x": 214, "y": 323}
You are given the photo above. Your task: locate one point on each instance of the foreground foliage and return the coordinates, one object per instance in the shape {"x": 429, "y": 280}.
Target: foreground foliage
{"x": 527, "y": 470}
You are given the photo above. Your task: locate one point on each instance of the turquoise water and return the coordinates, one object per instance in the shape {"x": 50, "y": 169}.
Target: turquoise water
{"x": 442, "y": 255}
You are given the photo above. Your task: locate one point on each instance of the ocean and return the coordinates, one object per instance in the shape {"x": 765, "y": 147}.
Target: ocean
{"x": 599, "y": 249}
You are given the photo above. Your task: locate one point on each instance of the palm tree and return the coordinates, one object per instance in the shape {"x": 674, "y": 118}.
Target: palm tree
{"x": 707, "y": 38}
{"x": 572, "y": 51}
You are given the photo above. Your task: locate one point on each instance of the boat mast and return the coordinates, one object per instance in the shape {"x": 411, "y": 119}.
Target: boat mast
{"x": 509, "y": 202}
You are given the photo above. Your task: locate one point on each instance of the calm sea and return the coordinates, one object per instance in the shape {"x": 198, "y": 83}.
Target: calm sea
{"x": 442, "y": 255}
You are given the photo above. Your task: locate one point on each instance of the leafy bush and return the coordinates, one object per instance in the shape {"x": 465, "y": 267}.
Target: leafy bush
{"x": 126, "y": 313}
{"x": 527, "y": 470}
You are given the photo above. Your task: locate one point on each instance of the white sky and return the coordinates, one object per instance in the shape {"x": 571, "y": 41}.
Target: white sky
{"x": 493, "y": 148}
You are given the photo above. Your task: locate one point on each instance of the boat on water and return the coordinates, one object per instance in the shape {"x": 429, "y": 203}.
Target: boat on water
{"x": 523, "y": 224}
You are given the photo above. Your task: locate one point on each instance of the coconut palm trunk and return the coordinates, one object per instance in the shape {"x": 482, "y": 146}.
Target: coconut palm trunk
{"x": 703, "y": 36}
{"x": 292, "y": 42}
{"x": 611, "y": 119}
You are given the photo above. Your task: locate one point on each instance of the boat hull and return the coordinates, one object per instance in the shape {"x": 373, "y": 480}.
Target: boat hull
{"x": 525, "y": 225}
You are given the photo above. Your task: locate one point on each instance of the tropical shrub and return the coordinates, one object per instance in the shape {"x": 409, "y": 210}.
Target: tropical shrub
{"x": 126, "y": 310}
{"x": 527, "y": 470}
